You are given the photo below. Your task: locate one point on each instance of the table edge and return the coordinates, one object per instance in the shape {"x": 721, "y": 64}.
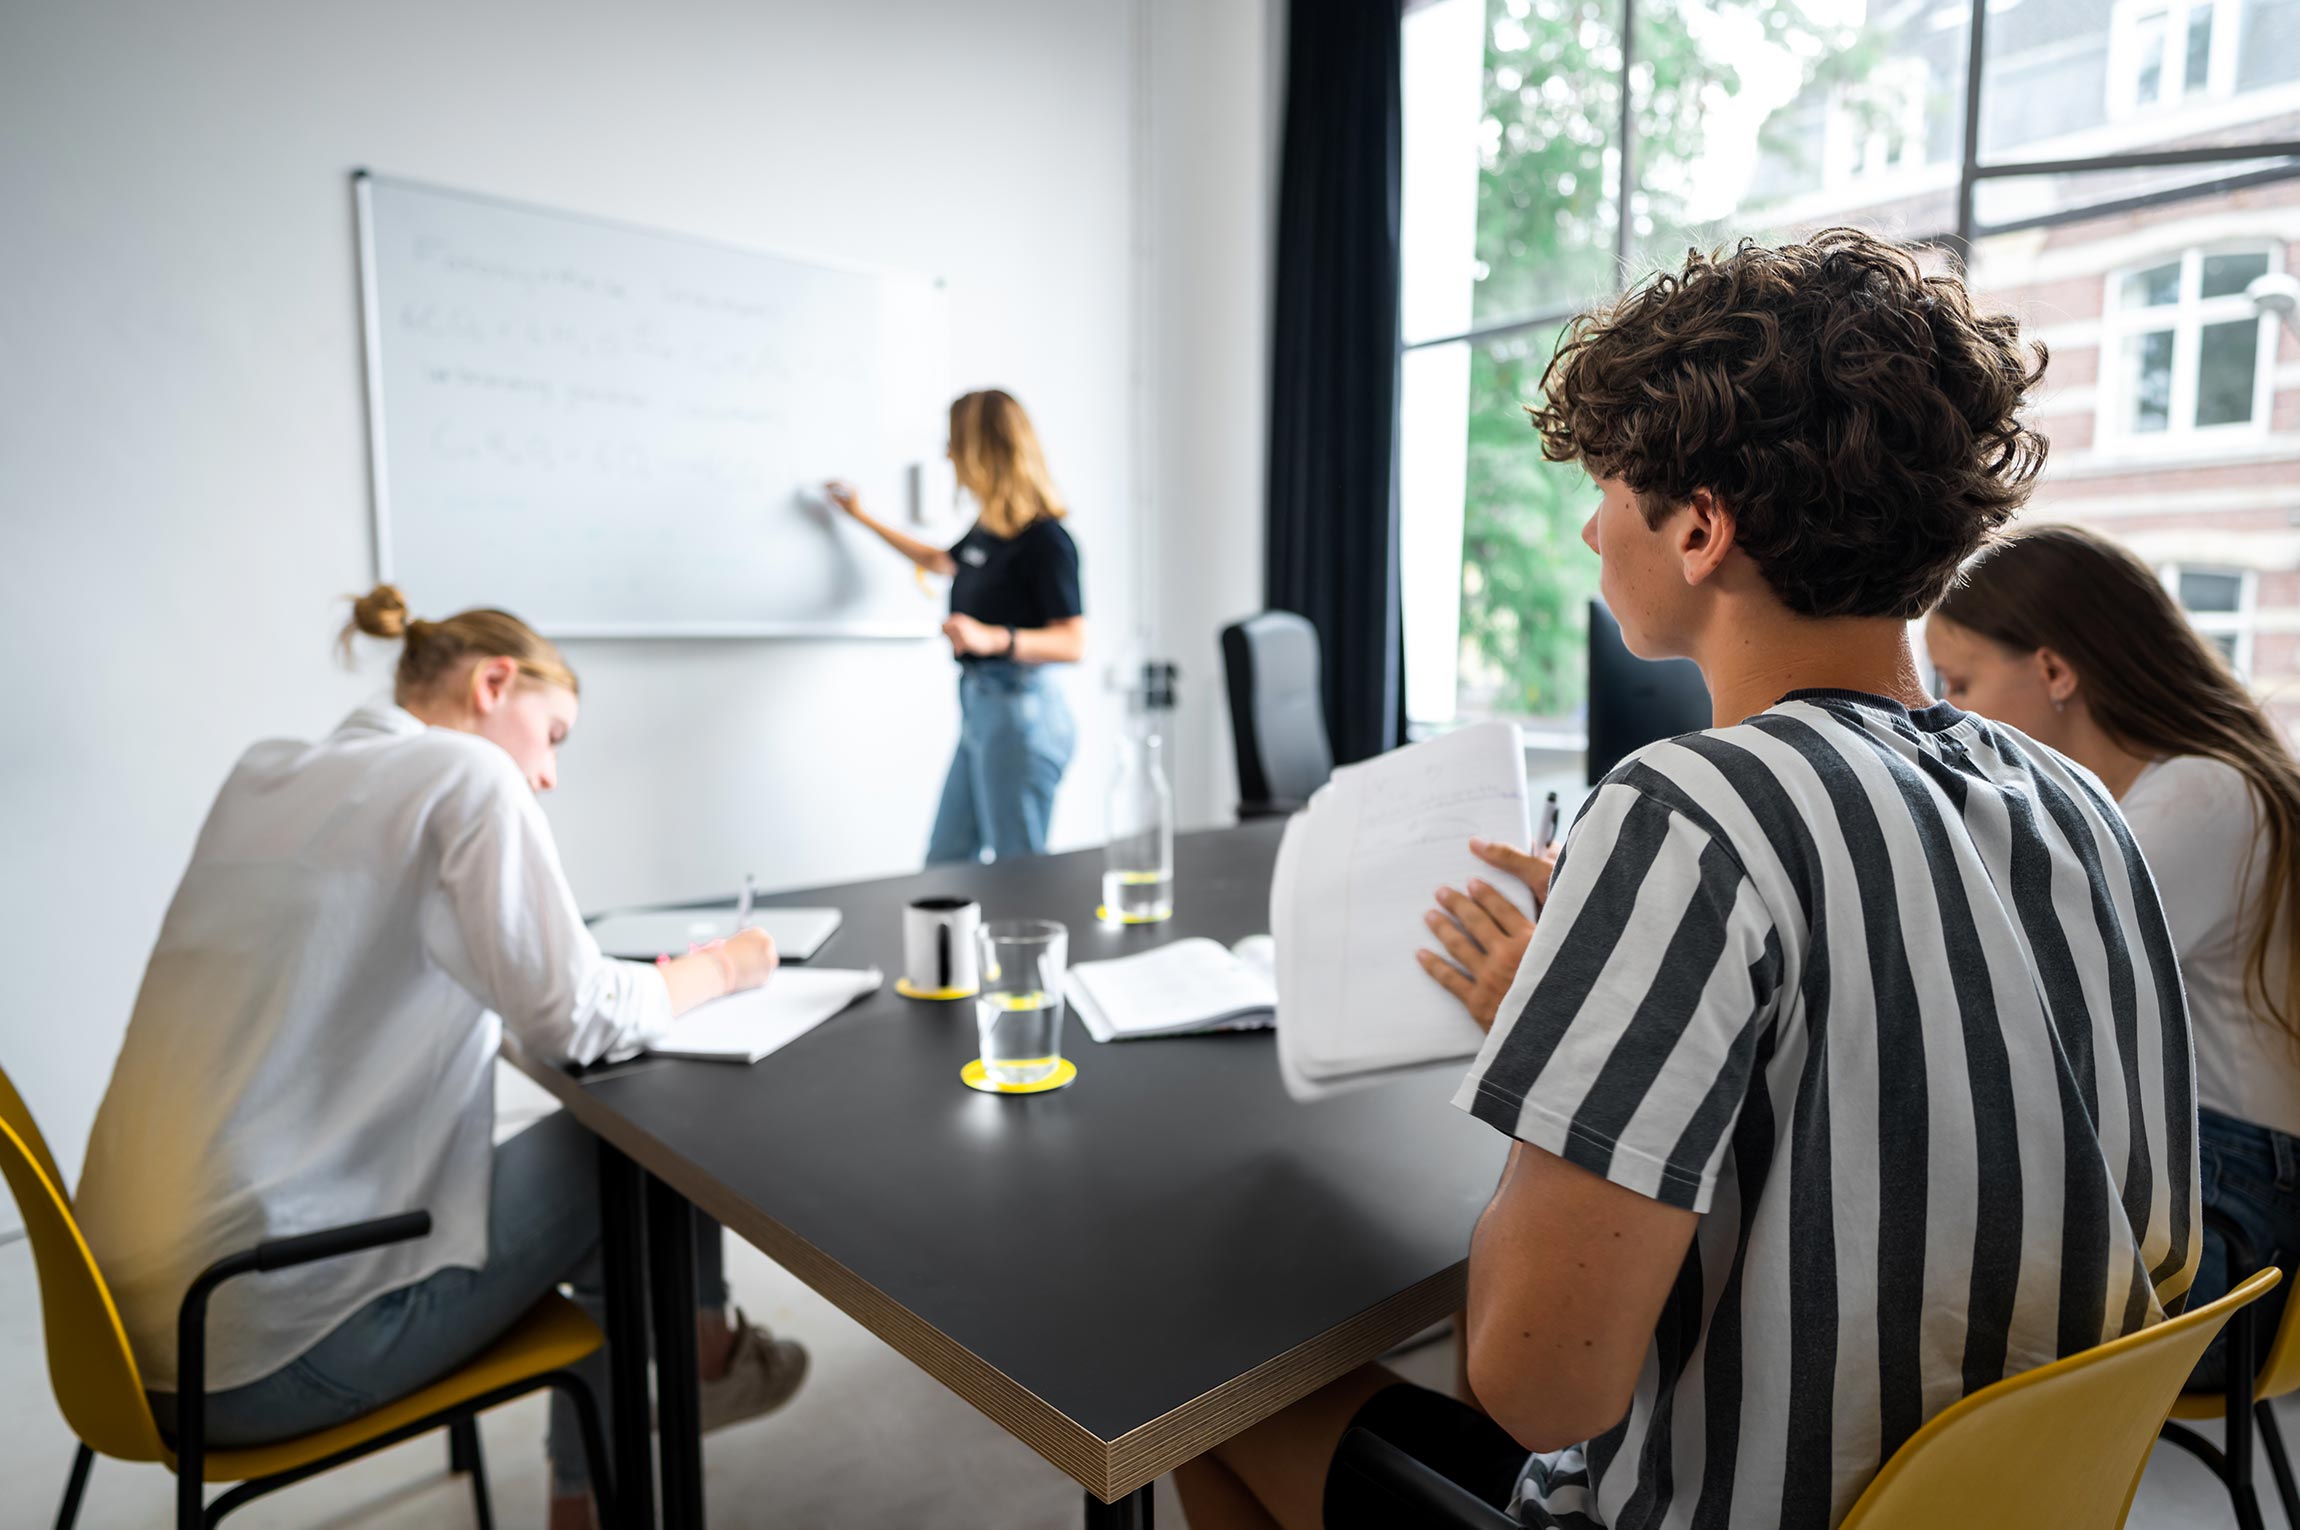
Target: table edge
{"x": 1109, "y": 1469}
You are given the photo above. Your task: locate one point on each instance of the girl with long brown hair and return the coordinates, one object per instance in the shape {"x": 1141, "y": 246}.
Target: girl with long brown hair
{"x": 1015, "y": 608}
{"x": 364, "y": 919}
{"x": 2070, "y": 638}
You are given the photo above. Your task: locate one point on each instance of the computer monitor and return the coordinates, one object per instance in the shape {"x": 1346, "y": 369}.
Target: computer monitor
{"x": 1634, "y": 701}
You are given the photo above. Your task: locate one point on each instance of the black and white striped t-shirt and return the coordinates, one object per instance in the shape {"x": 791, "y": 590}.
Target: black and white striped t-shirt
{"x": 1888, "y": 997}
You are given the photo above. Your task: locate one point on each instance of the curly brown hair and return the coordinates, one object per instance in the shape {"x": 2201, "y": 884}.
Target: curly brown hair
{"x": 1857, "y": 417}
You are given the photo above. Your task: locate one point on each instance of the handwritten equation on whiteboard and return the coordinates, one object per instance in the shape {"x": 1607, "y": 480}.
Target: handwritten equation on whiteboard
{"x": 612, "y": 430}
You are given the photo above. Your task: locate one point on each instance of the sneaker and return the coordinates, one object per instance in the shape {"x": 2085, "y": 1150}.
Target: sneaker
{"x": 763, "y": 1372}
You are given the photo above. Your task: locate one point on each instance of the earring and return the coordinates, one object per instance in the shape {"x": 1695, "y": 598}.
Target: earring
{"x": 2060, "y": 703}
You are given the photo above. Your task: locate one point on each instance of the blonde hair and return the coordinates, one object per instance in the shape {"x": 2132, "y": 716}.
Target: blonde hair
{"x": 997, "y": 459}
{"x": 432, "y": 651}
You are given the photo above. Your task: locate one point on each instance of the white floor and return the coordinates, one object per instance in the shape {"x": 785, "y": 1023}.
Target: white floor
{"x": 872, "y": 1441}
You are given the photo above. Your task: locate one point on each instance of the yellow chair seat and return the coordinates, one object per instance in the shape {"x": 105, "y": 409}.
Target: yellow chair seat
{"x": 552, "y": 1337}
{"x": 2206, "y": 1406}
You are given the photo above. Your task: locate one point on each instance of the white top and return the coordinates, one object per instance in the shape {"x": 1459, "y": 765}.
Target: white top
{"x": 2200, "y": 829}
{"x": 316, "y": 1034}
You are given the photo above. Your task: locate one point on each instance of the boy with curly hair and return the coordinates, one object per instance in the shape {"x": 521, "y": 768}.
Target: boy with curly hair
{"x": 1846, "y": 1064}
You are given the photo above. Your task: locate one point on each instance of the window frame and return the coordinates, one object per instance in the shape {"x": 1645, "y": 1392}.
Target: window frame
{"x": 2127, "y": 55}
{"x": 2239, "y": 623}
{"x": 1969, "y": 171}
{"x": 2187, "y": 316}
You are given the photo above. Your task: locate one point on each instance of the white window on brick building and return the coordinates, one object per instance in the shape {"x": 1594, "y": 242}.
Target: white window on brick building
{"x": 2163, "y": 53}
{"x": 2219, "y": 602}
{"x": 2186, "y": 354}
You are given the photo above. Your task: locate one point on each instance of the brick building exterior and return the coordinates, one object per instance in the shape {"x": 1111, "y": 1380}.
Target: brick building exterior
{"x": 2172, "y": 400}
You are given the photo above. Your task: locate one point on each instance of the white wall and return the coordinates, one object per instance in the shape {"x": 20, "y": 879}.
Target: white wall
{"x": 183, "y": 496}
{"x": 1212, "y": 196}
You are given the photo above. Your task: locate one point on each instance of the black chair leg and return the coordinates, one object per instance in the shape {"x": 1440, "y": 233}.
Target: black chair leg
{"x": 76, "y": 1485}
{"x": 2279, "y": 1464}
{"x": 594, "y": 1450}
{"x": 463, "y": 1456}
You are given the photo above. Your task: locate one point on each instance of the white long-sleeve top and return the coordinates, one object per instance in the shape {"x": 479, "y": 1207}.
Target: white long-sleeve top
{"x": 315, "y": 1038}
{"x": 2197, "y": 823}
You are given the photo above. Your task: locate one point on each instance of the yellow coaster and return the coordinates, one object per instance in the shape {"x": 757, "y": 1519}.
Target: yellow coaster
{"x": 975, "y": 1076}
{"x": 903, "y": 986}
{"x": 1102, "y": 912}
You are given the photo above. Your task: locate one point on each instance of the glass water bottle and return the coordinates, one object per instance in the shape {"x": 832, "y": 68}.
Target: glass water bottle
{"x": 1138, "y": 865}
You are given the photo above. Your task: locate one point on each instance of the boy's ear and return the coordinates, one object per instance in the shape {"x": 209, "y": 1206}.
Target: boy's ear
{"x": 1705, "y": 534}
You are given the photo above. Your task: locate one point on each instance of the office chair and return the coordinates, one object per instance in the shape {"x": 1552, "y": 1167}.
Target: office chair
{"x": 101, "y": 1393}
{"x": 1277, "y": 712}
{"x": 1634, "y": 702}
{"x": 2062, "y": 1445}
{"x": 2274, "y": 1375}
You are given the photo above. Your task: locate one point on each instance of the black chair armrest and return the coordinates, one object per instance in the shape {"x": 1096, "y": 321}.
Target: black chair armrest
{"x": 192, "y": 1321}
{"x": 1267, "y": 808}
{"x": 1407, "y": 1492}
{"x": 309, "y": 1248}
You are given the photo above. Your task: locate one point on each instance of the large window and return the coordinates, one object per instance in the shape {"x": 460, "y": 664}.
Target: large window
{"x": 2133, "y": 173}
{"x": 2189, "y": 348}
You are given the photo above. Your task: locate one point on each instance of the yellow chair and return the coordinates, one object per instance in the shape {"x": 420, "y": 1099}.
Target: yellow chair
{"x": 101, "y": 1393}
{"x": 2062, "y": 1445}
{"x": 2276, "y": 1375}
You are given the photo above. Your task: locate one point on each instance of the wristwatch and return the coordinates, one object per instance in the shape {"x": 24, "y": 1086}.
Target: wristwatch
{"x": 1011, "y": 639}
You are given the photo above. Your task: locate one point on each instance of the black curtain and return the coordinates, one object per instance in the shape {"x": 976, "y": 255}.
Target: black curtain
{"x": 1333, "y": 520}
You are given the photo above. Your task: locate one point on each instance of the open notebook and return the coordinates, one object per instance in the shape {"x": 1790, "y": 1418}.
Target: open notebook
{"x": 1356, "y": 871}
{"x": 744, "y": 1027}
{"x": 1178, "y": 989}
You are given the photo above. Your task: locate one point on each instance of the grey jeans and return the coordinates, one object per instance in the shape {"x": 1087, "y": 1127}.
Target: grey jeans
{"x": 542, "y": 1233}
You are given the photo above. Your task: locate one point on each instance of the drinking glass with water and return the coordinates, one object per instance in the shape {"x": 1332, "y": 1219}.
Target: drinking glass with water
{"x": 1019, "y": 1006}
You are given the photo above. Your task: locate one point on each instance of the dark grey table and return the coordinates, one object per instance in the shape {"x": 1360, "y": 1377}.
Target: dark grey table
{"x": 1120, "y": 1274}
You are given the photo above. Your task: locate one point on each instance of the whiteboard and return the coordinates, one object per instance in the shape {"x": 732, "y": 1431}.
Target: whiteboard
{"x": 614, "y": 432}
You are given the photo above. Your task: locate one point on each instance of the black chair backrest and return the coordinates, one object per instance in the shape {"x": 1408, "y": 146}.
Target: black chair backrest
{"x": 1277, "y": 711}
{"x": 1632, "y": 701}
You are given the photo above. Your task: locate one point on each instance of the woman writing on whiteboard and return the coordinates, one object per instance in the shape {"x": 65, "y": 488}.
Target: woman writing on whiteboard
{"x": 1014, "y": 609}
{"x": 364, "y": 920}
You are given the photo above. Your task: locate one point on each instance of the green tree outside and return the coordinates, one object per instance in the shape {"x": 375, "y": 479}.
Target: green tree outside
{"x": 1545, "y": 244}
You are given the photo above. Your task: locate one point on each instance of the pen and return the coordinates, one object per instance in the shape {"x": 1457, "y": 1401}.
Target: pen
{"x": 1548, "y": 830}
{"x": 743, "y": 905}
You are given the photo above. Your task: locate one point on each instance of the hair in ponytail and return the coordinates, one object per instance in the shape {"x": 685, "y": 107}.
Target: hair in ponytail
{"x": 432, "y": 651}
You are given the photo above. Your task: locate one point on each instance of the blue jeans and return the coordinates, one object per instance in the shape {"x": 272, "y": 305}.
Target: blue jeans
{"x": 2252, "y": 1176}
{"x": 1015, "y": 736}
{"x": 542, "y": 1232}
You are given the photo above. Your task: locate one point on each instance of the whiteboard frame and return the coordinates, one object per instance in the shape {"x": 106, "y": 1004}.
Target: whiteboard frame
{"x": 378, "y": 459}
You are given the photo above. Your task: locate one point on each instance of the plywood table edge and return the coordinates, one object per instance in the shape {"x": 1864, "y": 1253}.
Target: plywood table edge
{"x": 1069, "y": 1445}
{"x": 1109, "y": 1469}
{"x": 1148, "y": 1451}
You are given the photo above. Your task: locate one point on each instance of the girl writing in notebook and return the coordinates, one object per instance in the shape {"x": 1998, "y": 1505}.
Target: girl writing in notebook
{"x": 363, "y": 919}
{"x": 1015, "y": 608}
{"x": 2070, "y": 638}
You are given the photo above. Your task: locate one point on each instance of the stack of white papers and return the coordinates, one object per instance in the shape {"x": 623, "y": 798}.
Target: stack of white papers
{"x": 744, "y": 1027}
{"x": 1358, "y": 869}
{"x": 1179, "y": 989}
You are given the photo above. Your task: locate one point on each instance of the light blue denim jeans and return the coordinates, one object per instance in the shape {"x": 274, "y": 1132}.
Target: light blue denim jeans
{"x": 542, "y": 1233}
{"x": 1015, "y": 738}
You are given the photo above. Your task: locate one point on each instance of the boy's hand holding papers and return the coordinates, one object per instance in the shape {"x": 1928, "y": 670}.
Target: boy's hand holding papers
{"x": 1483, "y": 931}
{"x": 1348, "y": 900}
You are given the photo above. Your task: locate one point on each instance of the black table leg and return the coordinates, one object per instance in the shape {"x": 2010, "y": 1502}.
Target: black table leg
{"x": 678, "y": 1415}
{"x": 623, "y": 1253}
{"x": 1129, "y": 1513}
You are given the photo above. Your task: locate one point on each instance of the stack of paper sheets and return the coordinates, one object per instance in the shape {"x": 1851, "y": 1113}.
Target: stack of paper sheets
{"x": 1358, "y": 869}
{"x": 744, "y": 1027}
{"x": 1179, "y": 989}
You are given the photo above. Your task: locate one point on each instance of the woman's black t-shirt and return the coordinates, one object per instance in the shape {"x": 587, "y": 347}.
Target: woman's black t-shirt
{"x": 1027, "y": 580}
